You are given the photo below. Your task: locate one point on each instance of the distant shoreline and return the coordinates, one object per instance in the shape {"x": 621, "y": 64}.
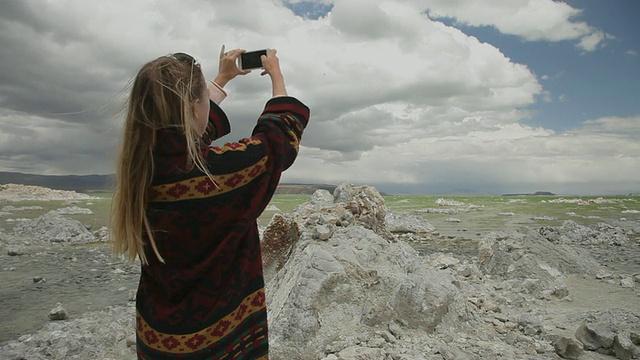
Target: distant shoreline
{"x": 100, "y": 183}
{"x": 105, "y": 183}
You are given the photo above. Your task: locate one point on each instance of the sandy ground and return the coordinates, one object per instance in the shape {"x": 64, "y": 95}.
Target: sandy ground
{"x": 87, "y": 277}
{"x": 82, "y": 277}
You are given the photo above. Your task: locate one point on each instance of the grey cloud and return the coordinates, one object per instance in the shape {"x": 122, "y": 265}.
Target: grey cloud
{"x": 366, "y": 20}
{"x": 54, "y": 84}
{"x": 357, "y": 132}
{"x": 371, "y": 23}
{"x": 58, "y": 148}
{"x": 48, "y": 21}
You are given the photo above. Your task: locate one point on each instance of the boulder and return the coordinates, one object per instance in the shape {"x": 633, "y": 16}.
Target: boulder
{"x": 58, "y": 313}
{"x": 321, "y": 209}
{"x": 441, "y": 261}
{"x": 624, "y": 348}
{"x": 55, "y": 228}
{"x": 627, "y": 282}
{"x": 445, "y": 202}
{"x": 612, "y": 332}
{"x": 367, "y": 206}
{"x": 351, "y": 284}
{"x": 568, "y": 348}
{"x": 407, "y": 223}
{"x": 572, "y": 233}
{"x": 596, "y": 336}
{"x": 531, "y": 264}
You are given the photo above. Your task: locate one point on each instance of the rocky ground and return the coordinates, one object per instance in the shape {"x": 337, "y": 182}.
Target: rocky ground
{"x": 350, "y": 280}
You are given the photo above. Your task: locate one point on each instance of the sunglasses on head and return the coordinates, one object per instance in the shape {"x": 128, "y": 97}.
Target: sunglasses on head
{"x": 186, "y": 58}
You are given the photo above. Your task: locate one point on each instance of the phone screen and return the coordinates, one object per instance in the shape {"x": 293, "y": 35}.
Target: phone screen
{"x": 251, "y": 60}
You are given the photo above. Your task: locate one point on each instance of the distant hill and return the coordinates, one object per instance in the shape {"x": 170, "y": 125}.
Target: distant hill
{"x": 80, "y": 183}
{"x": 537, "y": 193}
{"x": 88, "y": 183}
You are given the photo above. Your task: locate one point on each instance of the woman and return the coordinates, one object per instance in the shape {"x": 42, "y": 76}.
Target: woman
{"x": 189, "y": 210}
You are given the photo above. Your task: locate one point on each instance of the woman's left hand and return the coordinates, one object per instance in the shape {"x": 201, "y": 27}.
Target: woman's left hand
{"x": 228, "y": 68}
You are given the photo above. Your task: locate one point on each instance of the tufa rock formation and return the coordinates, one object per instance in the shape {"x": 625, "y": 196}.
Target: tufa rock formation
{"x": 357, "y": 283}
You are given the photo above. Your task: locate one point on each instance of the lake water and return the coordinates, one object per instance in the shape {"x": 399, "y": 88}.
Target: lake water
{"x": 479, "y": 215}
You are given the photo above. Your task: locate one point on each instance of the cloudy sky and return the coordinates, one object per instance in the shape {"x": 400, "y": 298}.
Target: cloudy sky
{"x": 411, "y": 96}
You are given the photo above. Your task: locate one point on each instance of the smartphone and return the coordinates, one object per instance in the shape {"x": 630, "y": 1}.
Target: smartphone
{"x": 251, "y": 59}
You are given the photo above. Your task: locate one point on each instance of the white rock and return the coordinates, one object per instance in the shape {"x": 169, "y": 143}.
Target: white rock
{"x": 72, "y": 210}
{"x": 604, "y": 274}
{"x": 627, "y": 282}
{"x": 52, "y": 227}
{"x": 15, "y": 192}
{"x": 438, "y": 211}
{"x": 442, "y": 261}
{"x": 407, "y": 223}
{"x": 58, "y": 313}
{"x": 444, "y": 202}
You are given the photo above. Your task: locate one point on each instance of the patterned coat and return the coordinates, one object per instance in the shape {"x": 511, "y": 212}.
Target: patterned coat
{"x": 208, "y": 301}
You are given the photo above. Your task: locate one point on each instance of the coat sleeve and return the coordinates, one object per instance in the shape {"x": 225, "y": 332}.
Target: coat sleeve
{"x": 251, "y": 168}
{"x": 280, "y": 128}
{"x": 217, "y": 126}
{"x": 278, "y": 131}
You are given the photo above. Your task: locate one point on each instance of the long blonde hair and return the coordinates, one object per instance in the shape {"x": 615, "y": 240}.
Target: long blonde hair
{"x": 162, "y": 97}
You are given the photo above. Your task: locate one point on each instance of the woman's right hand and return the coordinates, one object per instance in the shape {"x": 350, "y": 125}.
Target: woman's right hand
{"x": 228, "y": 68}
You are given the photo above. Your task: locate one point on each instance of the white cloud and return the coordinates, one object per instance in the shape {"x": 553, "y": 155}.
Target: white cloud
{"x": 627, "y": 126}
{"x": 592, "y": 41}
{"x": 600, "y": 158}
{"x": 532, "y": 20}
{"x": 396, "y": 98}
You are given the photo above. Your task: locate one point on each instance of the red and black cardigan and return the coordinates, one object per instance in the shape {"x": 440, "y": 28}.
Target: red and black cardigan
{"x": 207, "y": 301}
